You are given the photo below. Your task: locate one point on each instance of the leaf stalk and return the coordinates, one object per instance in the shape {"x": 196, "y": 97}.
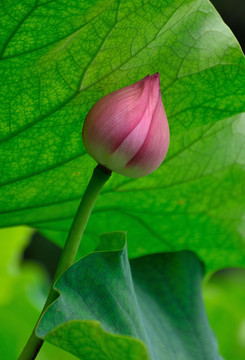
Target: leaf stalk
{"x": 68, "y": 256}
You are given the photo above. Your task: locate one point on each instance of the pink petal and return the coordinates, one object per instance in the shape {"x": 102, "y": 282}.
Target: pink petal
{"x": 114, "y": 117}
{"x": 155, "y": 147}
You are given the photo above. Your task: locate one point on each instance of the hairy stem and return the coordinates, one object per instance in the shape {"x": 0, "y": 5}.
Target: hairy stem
{"x": 98, "y": 179}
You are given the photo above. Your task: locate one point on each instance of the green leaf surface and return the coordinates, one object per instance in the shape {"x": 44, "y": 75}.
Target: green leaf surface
{"x": 58, "y": 58}
{"x": 111, "y": 309}
{"x": 224, "y": 299}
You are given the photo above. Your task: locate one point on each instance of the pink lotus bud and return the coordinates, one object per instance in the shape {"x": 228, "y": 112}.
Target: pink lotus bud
{"x": 127, "y": 130}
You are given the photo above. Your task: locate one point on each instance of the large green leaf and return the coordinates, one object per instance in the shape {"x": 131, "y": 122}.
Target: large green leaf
{"x": 58, "y": 58}
{"x": 201, "y": 209}
{"x": 108, "y": 308}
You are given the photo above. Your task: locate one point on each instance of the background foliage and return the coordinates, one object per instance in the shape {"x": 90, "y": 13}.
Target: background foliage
{"x": 22, "y": 295}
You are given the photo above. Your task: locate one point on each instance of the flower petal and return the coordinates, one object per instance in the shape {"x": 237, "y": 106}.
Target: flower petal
{"x": 153, "y": 151}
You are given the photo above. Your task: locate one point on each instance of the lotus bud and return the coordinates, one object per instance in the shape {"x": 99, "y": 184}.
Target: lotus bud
{"x": 127, "y": 130}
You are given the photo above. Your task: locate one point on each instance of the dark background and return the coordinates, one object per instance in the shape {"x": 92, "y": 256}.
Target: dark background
{"x": 233, "y": 14}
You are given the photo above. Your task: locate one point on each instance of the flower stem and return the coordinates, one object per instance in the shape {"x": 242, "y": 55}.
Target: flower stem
{"x": 98, "y": 179}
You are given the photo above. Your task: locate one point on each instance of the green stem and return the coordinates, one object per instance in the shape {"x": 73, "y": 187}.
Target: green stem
{"x": 98, "y": 179}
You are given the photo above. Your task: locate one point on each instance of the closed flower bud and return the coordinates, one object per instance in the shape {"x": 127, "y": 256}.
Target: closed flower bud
{"x": 127, "y": 130}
